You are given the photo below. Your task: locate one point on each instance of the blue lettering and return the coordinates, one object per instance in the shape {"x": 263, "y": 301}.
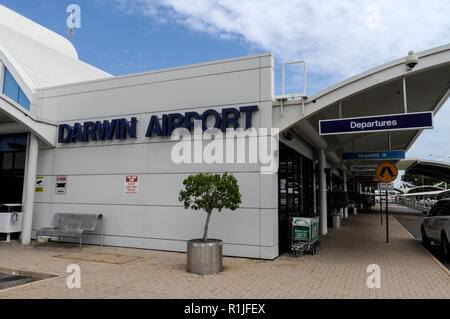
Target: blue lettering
{"x": 123, "y": 128}
{"x": 171, "y": 124}
{"x": 248, "y": 114}
{"x": 226, "y": 119}
{"x": 105, "y": 130}
{"x": 116, "y": 124}
{"x": 164, "y": 125}
{"x": 126, "y": 128}
{"x": 62, "y": 137}
{"x": 187, "y": 119}
{"x": 154, "y": 127}
{"x": 89, "y": 131}
{"x": 77, "y": 133}
{"x": 216, "y": 117}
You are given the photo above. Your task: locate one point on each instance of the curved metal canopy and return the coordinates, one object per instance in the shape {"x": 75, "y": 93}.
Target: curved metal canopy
{"x": 436, "y": 169}
{"x": 379, "y": 91}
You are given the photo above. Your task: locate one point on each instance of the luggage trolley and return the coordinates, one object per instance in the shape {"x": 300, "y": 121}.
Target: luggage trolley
{"x": 305, "y": 235}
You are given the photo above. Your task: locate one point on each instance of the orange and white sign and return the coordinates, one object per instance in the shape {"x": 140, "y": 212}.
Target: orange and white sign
{"x": 131, "y": 186}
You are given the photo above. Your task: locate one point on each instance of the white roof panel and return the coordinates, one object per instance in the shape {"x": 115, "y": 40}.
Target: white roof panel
{"x": 38, "y": 57}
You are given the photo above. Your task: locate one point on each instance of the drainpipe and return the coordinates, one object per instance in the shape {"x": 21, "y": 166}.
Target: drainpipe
{"x": 322, "y": 192}
{"x": 345, "y": 190}
{"x": 28, "y": 189}
{"x": 314, "y": 189}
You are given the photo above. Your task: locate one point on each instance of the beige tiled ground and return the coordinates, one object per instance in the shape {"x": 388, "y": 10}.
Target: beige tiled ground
{"x": 338, "y": 271}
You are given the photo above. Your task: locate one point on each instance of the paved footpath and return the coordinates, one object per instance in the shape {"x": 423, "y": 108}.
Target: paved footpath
{"x": 337, "y": 271}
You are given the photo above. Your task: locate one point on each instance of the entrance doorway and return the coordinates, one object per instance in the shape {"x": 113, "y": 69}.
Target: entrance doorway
{"x": 12, "y": 167}
{"x": 295, "y": 192}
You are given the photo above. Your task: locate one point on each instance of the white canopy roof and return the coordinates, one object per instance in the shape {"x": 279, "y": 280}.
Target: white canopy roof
{"x": 375, "y": 92}
{"x": 38, "y": 57}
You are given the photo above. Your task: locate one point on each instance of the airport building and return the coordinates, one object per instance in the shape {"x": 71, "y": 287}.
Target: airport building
{"x": 74, "y": 138}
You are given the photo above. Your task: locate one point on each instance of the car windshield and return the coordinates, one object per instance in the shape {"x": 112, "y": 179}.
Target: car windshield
{"x": 444, "y": 208}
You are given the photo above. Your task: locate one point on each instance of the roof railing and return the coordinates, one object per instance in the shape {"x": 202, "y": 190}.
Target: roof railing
{"x": 284, "y": 96}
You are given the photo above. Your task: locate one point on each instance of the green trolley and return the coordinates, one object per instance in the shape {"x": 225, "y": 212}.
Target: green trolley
{"x": 305, "y": 235}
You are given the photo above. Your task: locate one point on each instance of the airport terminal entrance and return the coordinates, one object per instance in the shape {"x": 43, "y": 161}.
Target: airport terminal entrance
{"x": 12, "y": 167}
{"x": 295, "y": 192}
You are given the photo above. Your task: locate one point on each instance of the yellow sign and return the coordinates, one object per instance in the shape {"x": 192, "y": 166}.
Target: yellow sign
{"x": 386, "y": 172}
{"x": 39, "y": 184}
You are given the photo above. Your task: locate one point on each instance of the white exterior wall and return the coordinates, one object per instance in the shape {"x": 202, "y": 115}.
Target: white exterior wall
{"x": 155, "y": 219}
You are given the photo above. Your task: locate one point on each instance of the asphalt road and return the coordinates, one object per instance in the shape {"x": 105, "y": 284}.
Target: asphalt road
{"x": 411, "y": 219}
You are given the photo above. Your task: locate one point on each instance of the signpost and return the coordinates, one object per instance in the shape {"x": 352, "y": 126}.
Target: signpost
{"x": 386, "y": 186}
{"x": 39, "y": 184}
{"x": 363, "y": 168}
{"x": 380, "y": 155}
{"x": 61, "y": 185}
{"x": 380, "y": 123}
{"x": 131, "y": 185}
{"x": 386, "y": 172}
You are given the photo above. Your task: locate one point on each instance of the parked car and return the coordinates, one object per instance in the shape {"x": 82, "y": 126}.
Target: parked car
{"x": 436, "y": 225}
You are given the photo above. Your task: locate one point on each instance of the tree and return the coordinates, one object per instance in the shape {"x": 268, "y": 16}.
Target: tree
{"x": 208, "y": 192}
{"x": 339, "y": 199}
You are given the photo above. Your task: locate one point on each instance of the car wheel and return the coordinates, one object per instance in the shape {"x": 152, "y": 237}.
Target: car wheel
{"x": 445, "y": 245}
{"x": 425, "y": 240}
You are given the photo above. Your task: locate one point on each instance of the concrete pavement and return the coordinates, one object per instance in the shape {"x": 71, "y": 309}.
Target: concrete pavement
{"x": 339, "y": 270}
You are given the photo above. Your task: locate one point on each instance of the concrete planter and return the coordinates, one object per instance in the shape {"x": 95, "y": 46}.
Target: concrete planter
{"x": 204, "y": 257}
{"x": 337, "y": 221}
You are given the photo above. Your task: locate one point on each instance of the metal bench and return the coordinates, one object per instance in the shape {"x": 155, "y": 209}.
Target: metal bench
{"x": 71, "y": 225}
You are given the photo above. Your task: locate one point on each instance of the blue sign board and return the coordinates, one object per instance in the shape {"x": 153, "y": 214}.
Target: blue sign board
{"x": 381, "y": 155}
{"x": 391, "y": 122}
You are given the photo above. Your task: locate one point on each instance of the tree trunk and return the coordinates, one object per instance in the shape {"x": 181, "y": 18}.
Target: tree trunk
{"x": 205, "y": 234}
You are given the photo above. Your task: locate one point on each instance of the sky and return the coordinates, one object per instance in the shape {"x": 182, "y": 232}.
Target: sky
{"x": 337, "y": 38}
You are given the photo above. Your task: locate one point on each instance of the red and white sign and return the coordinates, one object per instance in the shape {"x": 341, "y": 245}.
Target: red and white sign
{"x": 131, "y": 186}
{"x": 61, "y": 184}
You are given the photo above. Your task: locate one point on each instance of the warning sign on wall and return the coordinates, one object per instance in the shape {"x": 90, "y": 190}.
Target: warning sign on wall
{"x": 61, "y": 185}
{"x": 131, "y": 186}
{"x": 39, "y": 188}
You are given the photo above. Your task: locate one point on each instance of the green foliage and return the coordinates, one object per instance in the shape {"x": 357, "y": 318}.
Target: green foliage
{"x": 340, "y": 199}
{"x": 210, "y": 191}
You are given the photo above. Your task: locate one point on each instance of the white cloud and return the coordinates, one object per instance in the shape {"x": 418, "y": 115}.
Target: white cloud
{"x": 338, "y": 38}
{"x": 434, "y": 142}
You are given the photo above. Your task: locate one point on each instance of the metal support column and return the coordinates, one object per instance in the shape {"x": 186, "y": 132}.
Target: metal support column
{"x": 345, "y": 190}
{"x": 323, "y": 193}
{"x": 29, "y": 185}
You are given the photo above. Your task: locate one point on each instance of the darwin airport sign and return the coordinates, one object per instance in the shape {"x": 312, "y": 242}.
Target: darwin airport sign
{"x": 123, "y": 128}
{"x": 380, "y": 123}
